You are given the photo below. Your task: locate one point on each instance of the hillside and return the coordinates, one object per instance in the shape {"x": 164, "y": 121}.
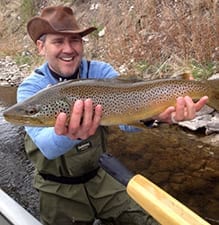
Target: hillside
{"x": 141, "y": 37}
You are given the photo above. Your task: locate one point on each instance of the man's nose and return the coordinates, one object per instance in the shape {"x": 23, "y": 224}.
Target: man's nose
{"x": 68, "y": 47}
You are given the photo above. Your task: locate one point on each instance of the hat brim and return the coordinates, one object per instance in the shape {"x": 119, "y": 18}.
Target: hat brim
{"x": 37, "y": 27}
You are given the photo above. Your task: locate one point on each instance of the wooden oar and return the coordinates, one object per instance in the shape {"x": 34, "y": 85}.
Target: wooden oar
{"x": 162, "y": 206}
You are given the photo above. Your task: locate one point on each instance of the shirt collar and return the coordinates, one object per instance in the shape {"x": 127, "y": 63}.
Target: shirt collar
{"x": 61, "y": 78}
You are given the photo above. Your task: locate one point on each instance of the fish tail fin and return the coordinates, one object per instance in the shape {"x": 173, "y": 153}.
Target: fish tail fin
{"x": 187, "y": 75}
{"x": 214, "y": 96}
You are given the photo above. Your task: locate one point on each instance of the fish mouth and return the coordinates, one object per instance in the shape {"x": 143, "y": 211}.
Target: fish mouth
{"x": 22, "y": 120}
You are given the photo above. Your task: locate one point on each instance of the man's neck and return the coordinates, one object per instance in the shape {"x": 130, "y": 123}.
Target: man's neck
{"x": 62, "y": 78}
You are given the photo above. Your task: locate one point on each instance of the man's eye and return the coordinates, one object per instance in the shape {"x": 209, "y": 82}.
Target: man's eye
{"x": 57, "y": 42}
{"x": 75, "y": 40}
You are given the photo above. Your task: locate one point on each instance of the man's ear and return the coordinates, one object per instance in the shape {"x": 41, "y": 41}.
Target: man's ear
{"x": 40, "y": 47}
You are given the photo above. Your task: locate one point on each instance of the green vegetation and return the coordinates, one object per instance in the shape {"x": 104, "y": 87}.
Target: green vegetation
{"x": 32, "y": 60}
{"x": 142, "y": 66}
{"x": 27, "y": 10}
{"x": 197, "y": 69}
{"x": 203, "y": 70}
{"x": 23, "y": 59}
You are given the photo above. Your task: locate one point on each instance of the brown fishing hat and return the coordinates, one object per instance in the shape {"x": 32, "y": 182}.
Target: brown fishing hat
{"x": 53, "y": 20}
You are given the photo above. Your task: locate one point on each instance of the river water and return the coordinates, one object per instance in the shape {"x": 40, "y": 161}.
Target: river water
{"x": 16, "y": 170}
{"x": 183, "y": 166}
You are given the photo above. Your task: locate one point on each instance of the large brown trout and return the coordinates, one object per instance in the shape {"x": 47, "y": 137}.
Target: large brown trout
{"x": 123, "y": 102}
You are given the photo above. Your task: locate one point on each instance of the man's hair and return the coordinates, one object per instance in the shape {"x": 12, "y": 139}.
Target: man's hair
{"x": 42, "y": 38}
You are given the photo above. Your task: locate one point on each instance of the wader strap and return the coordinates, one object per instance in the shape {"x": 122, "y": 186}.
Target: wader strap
{"x": 71, "y": 180}
{"x": 88, "y": 68}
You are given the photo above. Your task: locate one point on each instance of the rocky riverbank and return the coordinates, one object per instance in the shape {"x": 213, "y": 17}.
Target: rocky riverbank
{"x": 10, "y": 73}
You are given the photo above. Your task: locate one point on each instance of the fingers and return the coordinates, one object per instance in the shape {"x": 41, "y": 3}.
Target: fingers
{"x": 88, "y": 113}
{"x": 96, "y": 119}
{"x": 165, "y": 116}
{"x": 60, "y": 125}
{"x": 185, "y": 109}
{"x": 76, "y": 117}
{"x": 83, "y": 122}
{"x": 201, "y": 103}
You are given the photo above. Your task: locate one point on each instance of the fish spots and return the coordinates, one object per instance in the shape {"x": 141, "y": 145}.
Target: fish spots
{"x": 121, "y": 101}
{"x": 51, "y": 108}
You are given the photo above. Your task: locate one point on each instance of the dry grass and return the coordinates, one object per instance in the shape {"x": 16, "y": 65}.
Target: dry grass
{"x": 10, "y": 46}
{"x": 150, "y": 36}
{"x": 161, "y": 36}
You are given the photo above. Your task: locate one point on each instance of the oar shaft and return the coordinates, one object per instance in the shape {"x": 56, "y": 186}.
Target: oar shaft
{"x": 162, "y": 206}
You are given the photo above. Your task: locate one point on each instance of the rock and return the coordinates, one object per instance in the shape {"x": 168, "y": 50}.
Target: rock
{"x": 212, "y": 139}
{"x": 11, "y": 73}
{"x": 208, "y": 119}
{"x": 215, "y": 76}
{"x": 213, "y": 125}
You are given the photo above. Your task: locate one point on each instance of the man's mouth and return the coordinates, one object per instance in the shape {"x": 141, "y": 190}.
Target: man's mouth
{"x": 67, "y": 59}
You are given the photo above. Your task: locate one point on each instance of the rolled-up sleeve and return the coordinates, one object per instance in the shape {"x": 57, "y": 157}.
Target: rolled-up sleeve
{"x": 50, "y": 144}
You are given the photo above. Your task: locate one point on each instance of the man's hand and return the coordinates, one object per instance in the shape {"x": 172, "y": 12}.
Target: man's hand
{"x": 84, "y": 120}
{"x": 185, "y": 109}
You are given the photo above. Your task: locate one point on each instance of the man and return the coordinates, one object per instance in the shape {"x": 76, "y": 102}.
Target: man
{"x": 73, "y": 189}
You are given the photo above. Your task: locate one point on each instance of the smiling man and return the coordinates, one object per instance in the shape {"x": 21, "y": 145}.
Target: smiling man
{"x": 73, "y": 189}
{"x": 62, "y": 61}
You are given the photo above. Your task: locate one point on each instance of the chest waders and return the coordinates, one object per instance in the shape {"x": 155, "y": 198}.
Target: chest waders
{"x": 77, "y": 166}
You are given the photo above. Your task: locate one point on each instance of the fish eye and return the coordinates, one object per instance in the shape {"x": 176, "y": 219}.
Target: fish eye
{"x": 32, "y": 110}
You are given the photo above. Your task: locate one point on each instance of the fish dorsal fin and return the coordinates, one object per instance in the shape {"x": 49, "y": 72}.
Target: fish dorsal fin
{"x": 187, "y": 75}
{"x": 130, "y": 78}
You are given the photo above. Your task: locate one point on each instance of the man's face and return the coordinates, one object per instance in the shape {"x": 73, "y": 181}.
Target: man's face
{"x": 62, "y": 51}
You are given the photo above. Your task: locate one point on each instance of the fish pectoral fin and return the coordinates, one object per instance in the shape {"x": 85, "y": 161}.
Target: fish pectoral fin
{"x": 139, "y": 124}
{"x": 64, "y": 104}
{"x": 66, "y": 100}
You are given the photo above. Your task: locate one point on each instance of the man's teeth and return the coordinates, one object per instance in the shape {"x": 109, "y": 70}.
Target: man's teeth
{"x": 67, "y": 58}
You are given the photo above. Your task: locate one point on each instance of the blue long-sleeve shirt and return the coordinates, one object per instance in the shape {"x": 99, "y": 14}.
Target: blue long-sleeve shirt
{"x": 50, "y": 144}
